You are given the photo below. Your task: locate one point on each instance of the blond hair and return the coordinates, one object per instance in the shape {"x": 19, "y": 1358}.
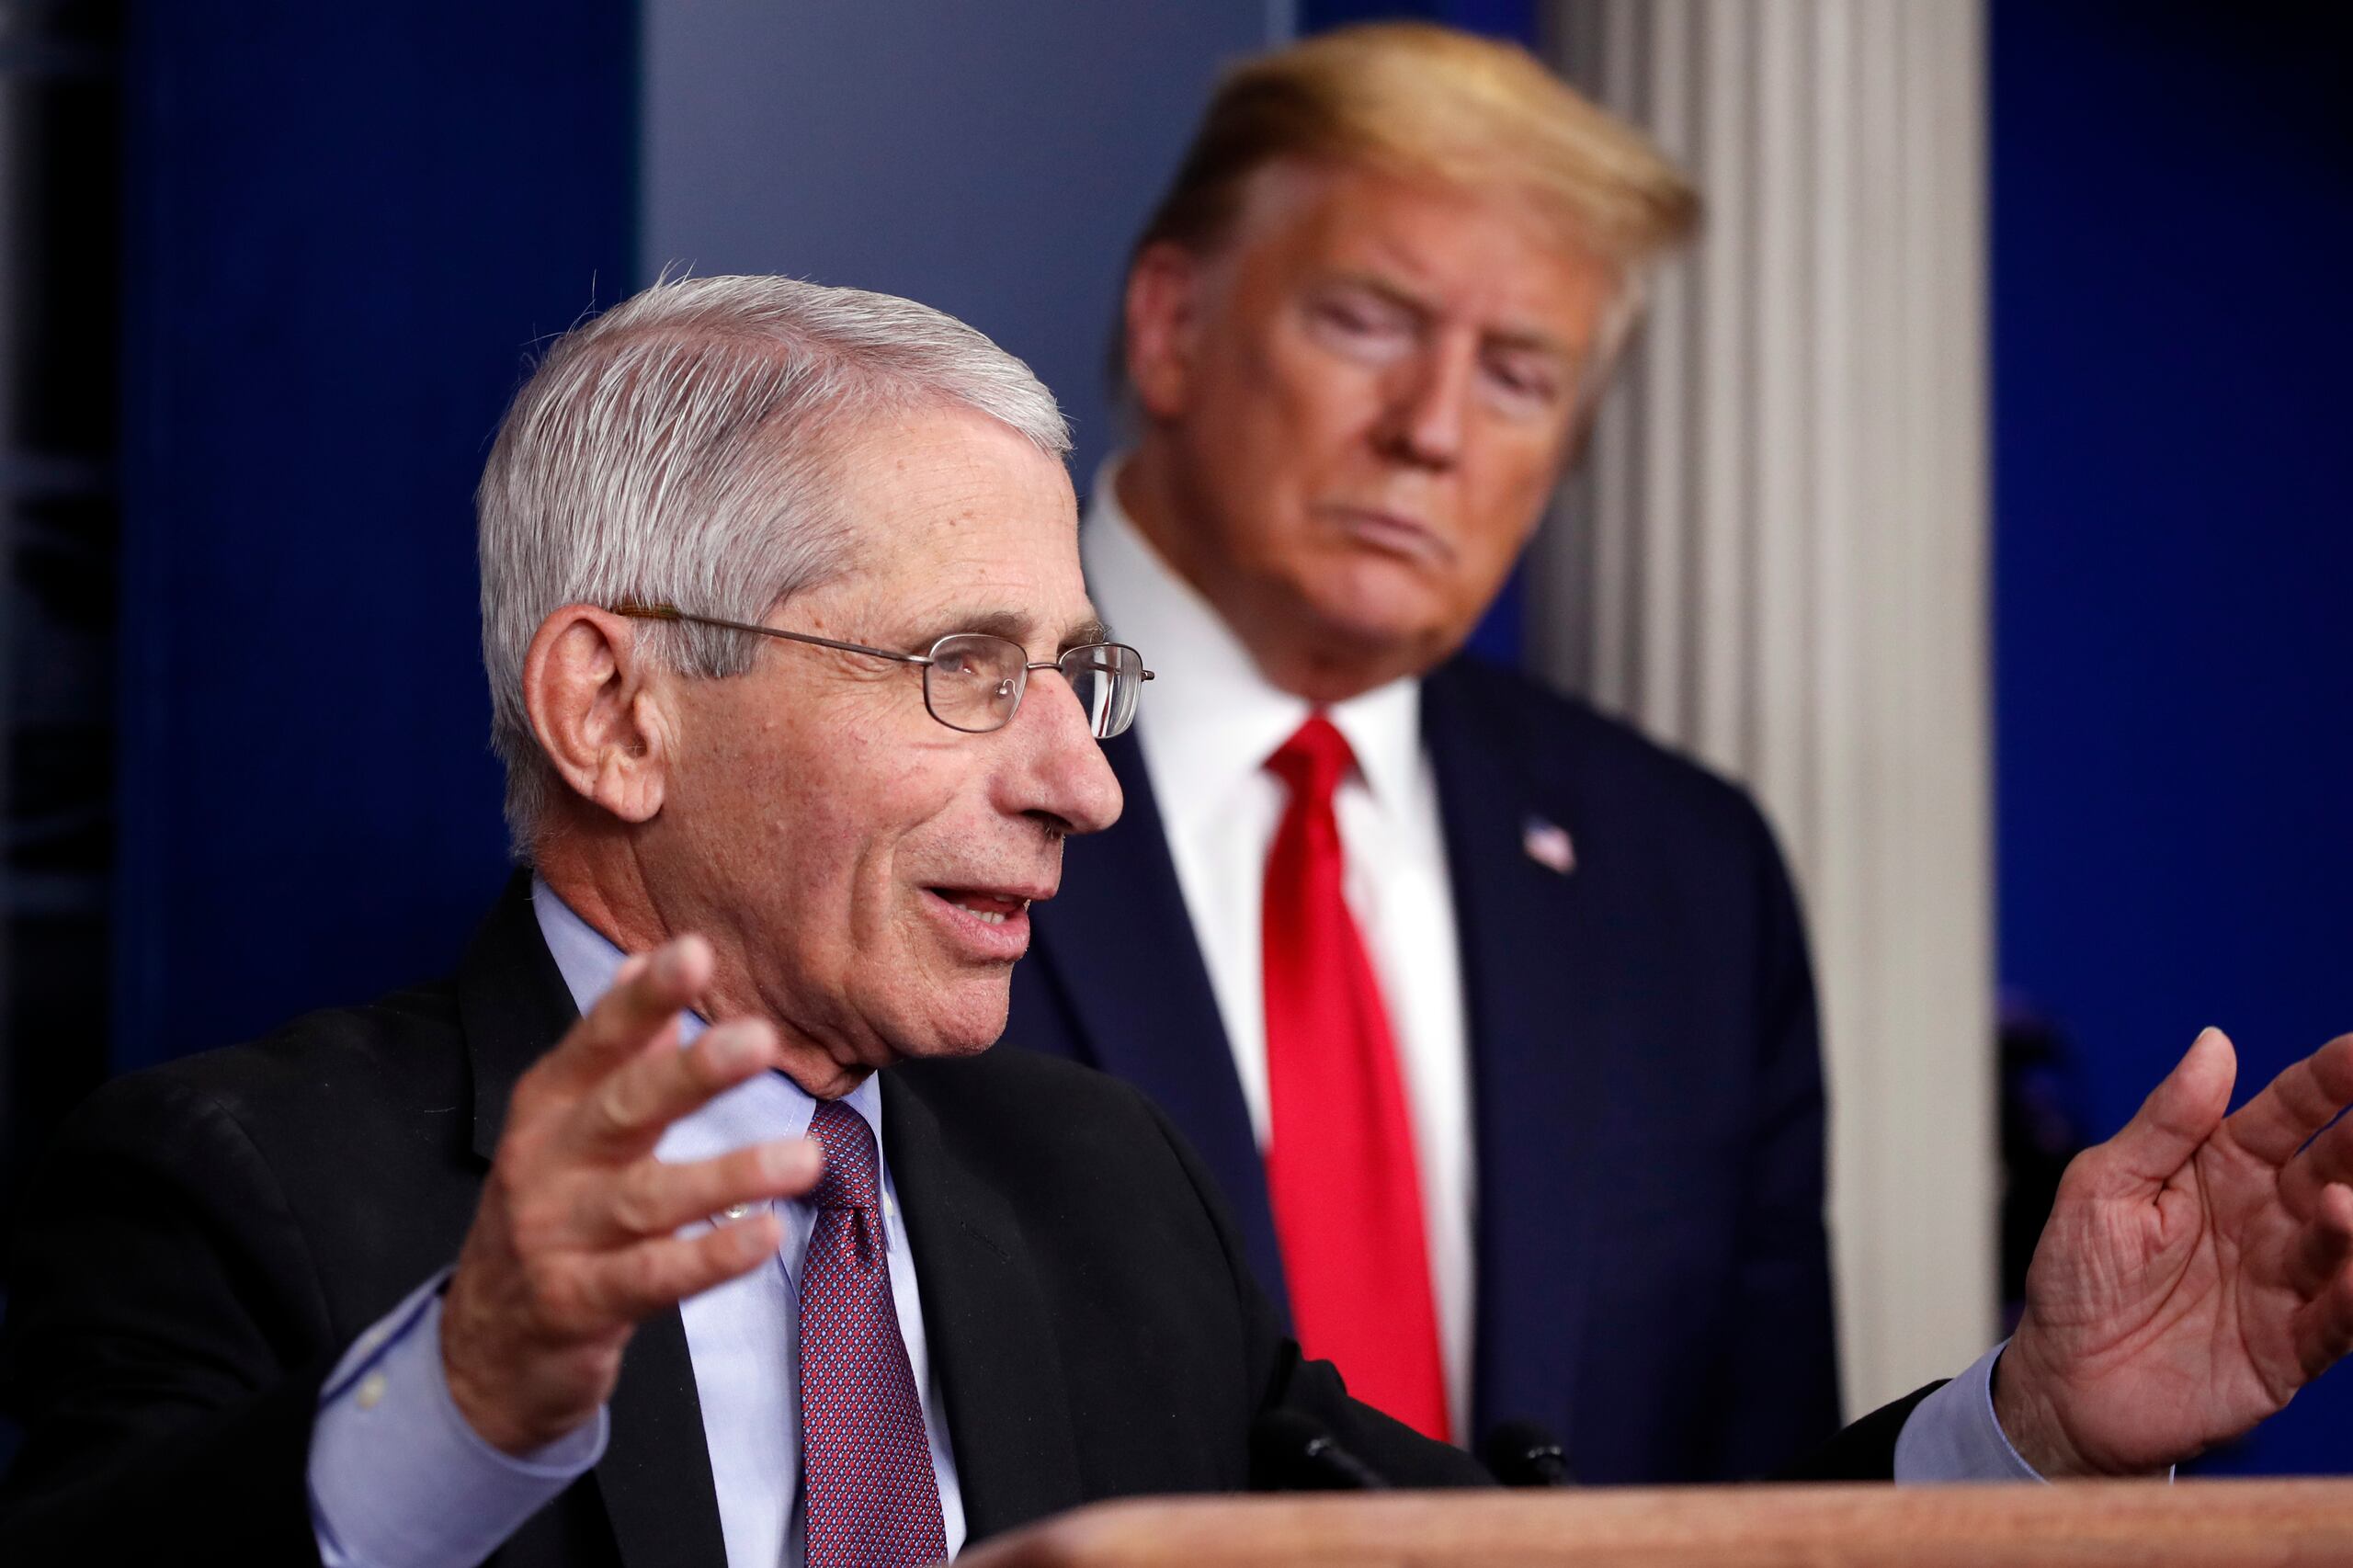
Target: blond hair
{"x": 1436, "y": 106}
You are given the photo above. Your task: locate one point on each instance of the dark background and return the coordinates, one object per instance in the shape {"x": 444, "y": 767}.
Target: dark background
{"x": 273, "y": 270}
{"x": 2172, "y": 192}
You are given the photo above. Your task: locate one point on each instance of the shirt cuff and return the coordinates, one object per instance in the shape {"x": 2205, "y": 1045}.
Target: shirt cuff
{"x": 1953, "y": 1434}
{"x": 398, "y": 1478}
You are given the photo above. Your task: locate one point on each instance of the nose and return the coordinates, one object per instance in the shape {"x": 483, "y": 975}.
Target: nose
{"x": 1428, "y": 405}
{"x": 1061, "y": 775}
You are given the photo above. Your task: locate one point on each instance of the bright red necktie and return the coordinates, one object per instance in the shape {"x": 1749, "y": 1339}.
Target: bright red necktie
{"x": 1340, "y": 1167}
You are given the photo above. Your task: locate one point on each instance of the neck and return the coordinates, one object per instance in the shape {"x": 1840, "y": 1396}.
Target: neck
{"x": 1293, "y": 650}
{"x": 602, "y": 876}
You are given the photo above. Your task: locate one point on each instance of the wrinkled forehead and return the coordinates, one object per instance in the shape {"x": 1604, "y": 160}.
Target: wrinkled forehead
{"x": 958, "y": 518}
{"x": 1310, "y": 212}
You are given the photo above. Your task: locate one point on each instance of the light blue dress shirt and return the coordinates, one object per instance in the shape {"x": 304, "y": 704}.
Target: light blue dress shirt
{"x": 1952, "y": 1436}
{"x": 398, "y": 1480}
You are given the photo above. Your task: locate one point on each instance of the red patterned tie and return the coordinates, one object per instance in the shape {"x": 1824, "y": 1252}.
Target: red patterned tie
{"x": 1340, "y": 1163}
{"x": 865, "y": 1461}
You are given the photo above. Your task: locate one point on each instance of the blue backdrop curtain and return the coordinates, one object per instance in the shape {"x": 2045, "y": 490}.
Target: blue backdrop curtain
{"x": 2173, "y": 230}
{"x": 345, "y": 227}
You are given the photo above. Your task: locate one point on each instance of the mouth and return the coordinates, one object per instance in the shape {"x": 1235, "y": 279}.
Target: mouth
{"x": 1393, "y": 533}
{"x": 996, "y": 908}
{"x": 990, "y": 923}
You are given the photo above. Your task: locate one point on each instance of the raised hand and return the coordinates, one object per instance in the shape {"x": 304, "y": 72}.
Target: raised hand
{"x": 574, "y": 1240}
{"x": 2196, "y": 1271}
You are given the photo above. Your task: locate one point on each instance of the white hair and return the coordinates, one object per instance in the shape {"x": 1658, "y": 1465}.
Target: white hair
{"x": 677, "y": 450}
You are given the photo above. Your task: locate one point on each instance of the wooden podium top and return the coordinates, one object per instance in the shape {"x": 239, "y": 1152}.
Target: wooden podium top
{"x": 2108, "y": 1523}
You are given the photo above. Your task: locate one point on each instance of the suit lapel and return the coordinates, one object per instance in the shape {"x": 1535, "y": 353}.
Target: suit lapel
{"x": 1000, "y": 1373}
{"x": 655, "y": 1475}
{"x": 512, "y": 1003}
{"x": 1117, "y": 943}
{"x": 1540, "y": 1030}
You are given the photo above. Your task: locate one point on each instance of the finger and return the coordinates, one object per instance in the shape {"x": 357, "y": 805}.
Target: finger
{"x": 626, "y": 1113}
{"x": 2327, "y": 1160}
{"x": 643, "y": 1003}
{"x": 2324, "y": 1326}
{"x": 2179, "y": 1114}
{"x": 2323, "y": 1243}
{"x": 632, "y": 1285}
{"x": 2296, "y": 1104}
{"x": 651, "y": 1199}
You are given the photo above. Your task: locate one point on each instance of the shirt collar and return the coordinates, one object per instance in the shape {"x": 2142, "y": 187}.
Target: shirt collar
{"x": 588, "y": 960}
{"x": 1212, "y": 718}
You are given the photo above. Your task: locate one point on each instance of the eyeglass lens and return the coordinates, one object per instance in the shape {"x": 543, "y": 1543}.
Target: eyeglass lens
{"x": 974, "y": 682}
{"x": 1107, "y": 677}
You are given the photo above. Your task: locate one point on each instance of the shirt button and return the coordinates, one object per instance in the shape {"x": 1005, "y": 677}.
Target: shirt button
{"x": 372, "y": 1390}
{"x": 890, "y": 1206}
{"x": 734, "y": 1212}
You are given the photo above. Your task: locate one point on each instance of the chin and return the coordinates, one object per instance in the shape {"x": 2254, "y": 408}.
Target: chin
{"x": 1383, "y": 625}
{"x": 956, "y": 1030}
{"x": 1379, "y": 599}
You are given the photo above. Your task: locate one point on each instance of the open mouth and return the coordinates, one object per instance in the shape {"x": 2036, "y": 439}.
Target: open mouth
{"x": 990, "y": 924}
{"x": 990, "y": 908}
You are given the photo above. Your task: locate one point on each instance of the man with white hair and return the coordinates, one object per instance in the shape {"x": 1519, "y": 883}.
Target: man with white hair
{"x": 799, "y": 692}
{"x": 688, "y": 1221}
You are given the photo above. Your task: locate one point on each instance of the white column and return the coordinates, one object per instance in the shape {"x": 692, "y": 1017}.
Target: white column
{"x": 1776, "y": 559}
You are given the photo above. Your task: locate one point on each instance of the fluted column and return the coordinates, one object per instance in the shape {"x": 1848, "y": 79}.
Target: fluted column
{"x": 1775, "y": 558}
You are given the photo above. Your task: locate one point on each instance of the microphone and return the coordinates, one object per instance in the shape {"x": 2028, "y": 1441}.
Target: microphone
{"x": 1522, "y": 1453}
{"x": 1291, "y": 1451}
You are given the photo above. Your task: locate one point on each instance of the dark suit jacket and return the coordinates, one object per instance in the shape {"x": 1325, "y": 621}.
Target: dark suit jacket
{"x": 209, "y": 1236}
{"x": 1653, "y": 1278}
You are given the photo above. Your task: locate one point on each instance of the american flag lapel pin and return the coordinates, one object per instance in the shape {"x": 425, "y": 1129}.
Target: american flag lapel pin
{"x": 1549, "y": 844}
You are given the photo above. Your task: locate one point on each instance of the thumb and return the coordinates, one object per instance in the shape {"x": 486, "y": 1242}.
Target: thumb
{"x": 2180, "y": 1115}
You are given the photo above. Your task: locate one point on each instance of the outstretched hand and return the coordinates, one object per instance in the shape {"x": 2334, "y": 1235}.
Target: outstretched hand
{"x": 574, "y": 1240}
{"x": 2197, "y": 1271}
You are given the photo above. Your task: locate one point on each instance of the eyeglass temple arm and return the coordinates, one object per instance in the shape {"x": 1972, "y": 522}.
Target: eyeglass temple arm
{"x": 636, "y": 611}
{"x": 672, "y": 612}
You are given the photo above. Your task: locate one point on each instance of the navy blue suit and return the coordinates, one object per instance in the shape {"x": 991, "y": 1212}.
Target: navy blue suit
{"x": 1652, "y": 1274}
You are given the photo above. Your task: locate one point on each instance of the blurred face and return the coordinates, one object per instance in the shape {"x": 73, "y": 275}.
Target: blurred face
{"x": 863, "y": 870}
{"x": 1357, "y": 411}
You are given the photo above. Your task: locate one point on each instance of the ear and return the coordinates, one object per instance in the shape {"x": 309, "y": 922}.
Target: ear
{"x": 597, "y": 706}
{"x": 1164, "y": 313}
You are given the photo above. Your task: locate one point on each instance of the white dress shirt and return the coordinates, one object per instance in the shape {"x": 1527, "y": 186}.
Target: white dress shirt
{"x": 1210, "y": 724}
{"x": 1206, "y": 731}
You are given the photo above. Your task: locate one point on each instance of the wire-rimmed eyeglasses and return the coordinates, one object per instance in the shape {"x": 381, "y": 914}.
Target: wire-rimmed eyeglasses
{"x": 972, "y": 681}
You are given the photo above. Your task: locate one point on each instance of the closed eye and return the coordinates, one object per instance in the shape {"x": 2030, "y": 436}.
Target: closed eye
{"x": 1528, "y": 380}
{"x": 1364, "y": 324}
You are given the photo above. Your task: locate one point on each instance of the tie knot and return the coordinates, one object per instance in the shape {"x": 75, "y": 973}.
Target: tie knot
{"x": 1313, "y": 761}
{"x": 849, "y": 1179}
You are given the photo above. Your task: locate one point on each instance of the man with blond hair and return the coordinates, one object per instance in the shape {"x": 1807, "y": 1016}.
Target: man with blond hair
{"x": 1493, "y": 1020}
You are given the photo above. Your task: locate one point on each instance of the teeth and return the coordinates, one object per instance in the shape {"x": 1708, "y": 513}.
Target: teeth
{"x": 993, "y": 916}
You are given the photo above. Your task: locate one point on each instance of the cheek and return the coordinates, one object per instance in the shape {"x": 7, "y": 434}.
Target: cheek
{"x": 1325, "y": 405}
{"x": 820, "y": 825}
{"x": 1296, "y": 408}
{"x": 1509, "y": 486}
{"x": 888, "y": 811}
